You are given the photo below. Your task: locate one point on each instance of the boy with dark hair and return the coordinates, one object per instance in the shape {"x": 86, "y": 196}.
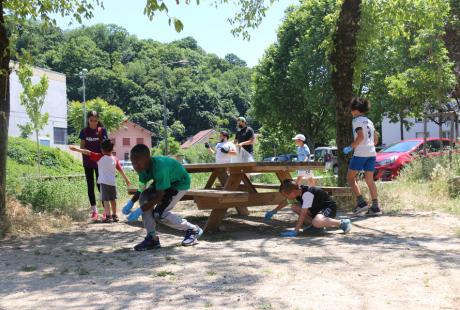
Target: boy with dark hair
{"x": 363, "y": 146}
{"x": 313, "y": 203}
{"x": 107, "y": 164}
{"x": 170, "y": 183}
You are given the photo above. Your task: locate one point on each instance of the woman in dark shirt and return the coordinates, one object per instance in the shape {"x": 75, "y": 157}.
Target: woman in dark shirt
{"x": 91, "y": 138}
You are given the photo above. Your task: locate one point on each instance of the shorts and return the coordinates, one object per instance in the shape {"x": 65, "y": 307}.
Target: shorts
{"x": 108, "y": 192}
{"x": 330, "y": 211}
{"x": 305, "y": 173}
{"x": 362, "y": 164}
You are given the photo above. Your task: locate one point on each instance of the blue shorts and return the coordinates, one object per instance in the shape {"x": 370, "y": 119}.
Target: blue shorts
{"x": 362, "y": 163}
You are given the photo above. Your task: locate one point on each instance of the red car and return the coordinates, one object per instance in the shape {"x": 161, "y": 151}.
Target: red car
{"x": 391, "y": 159}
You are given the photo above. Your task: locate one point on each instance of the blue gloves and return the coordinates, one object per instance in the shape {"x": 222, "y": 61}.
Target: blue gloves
{"x": 127, "y": 208}
{"x": 289, "y": 233}
{"x": 133, "y": 216}
{"x": 269, "y": 215}
{"x": 347, "y": 150}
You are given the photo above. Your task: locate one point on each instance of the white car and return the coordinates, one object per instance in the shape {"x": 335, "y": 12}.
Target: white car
{"x": 126, "y": 165}
{"x": 328, "y": 155}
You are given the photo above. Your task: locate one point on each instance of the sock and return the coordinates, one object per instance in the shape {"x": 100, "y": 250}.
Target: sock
{"x": 153, "y": 233}
{"x": 360, "y": 200}
{"x": 93, "y": 209}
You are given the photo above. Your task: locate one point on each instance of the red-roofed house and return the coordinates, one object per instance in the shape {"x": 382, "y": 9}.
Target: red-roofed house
{"x": 200, "y": 138}
{"x": 128, "y": 135}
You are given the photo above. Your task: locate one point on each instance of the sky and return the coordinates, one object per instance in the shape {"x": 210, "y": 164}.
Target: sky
{"x": 207, "y": 24}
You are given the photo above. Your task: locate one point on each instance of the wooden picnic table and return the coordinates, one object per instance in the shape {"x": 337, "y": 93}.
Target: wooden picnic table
{"x": 237, "y": 190}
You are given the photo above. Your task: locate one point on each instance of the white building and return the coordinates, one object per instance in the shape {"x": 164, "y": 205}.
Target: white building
{"x": 55, "y": 133}
{"x": 391, "y": 132}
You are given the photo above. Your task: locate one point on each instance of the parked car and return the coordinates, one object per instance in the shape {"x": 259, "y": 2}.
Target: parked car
{"x": 269, "y": 159}
{"x": 126, "y": 165}
{"x": 286, "y": 157}
{"x": 328, "y": 155}
{"x": 391, "y": 159}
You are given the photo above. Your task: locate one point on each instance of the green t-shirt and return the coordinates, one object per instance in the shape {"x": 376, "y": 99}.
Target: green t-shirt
{"x": 166, "y": 173}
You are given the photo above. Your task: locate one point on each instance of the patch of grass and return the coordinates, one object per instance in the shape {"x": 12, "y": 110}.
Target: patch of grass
{"x": 208, "y": 305}
{"x": 211, "y": 273}
{"x": 266, "y": 306}
{"x": 457, "y": 232}
{"x": 28, "y": 268}
{"x": 48, "y": 275}
{"x": 163, "y": 274}
{"x": 37, "y": 252}
{"x": 64, "y": 271}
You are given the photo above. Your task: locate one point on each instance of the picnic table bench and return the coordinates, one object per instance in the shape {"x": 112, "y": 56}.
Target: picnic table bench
{"x": 237, "y": 190}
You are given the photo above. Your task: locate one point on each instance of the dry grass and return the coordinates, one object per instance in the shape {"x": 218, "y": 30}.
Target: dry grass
{"x": 397, "y": 197}
{"x": 22, "y": 221}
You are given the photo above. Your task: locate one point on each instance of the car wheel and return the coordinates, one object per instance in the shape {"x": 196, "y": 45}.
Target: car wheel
{"x": 335, "y": 169}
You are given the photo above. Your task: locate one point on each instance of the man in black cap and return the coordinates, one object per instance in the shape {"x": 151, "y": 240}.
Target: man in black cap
{"x": 245, "y": 138}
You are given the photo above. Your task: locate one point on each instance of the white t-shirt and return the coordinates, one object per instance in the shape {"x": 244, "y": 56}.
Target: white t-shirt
{"x": 221, "y": 157}
{"x": 366, "y": 148}
{"x": 107, "y": 166}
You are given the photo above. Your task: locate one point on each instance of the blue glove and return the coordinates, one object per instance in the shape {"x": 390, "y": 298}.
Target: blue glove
{"x": 269, "y": 215}
{"x": 133, "y": 216}
{"x": 289, "y": 233}
{"x": 127, "y": 208}
{"x": 347, "y": 150}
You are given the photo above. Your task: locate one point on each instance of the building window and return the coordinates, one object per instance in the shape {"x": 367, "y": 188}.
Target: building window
{"x": 126, "y": 141}
{"x": 140, "y": 141}
{"x": 60, "y": 135}
{"x": 446, "y": 134}
{"x": 126, "y": 156}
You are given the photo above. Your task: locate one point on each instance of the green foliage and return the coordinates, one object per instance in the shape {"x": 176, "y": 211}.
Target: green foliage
{"x": 198, "y": 154}
{"x": 296, "y": 72}
{"x": 111, "y": 116}
{"x": 33, "y": 98}
{"x": 24, "y": 152}
{"x": 128, "y": 73}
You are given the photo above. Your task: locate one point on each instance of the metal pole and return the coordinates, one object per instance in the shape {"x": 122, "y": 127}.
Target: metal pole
{"x": 84, "y": 101}
{"x": 165, "y": 111}
{"x": 451, "y": 144}
{"x": 425, "y": 129}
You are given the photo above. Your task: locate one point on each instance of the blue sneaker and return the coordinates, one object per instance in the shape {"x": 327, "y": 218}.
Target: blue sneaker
{"x": 191, "y": 236}
{"x": 345, "y": 225}
{"x": 148, "y": 244}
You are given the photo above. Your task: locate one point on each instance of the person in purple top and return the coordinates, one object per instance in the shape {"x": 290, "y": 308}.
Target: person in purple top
{"x": 91, "y": 138}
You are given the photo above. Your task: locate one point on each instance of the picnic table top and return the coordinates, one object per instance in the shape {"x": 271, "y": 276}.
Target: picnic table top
{"x": 255, "y": 166}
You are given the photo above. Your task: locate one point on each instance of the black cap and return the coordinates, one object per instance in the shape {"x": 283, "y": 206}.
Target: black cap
{"x": 224, "y": 133}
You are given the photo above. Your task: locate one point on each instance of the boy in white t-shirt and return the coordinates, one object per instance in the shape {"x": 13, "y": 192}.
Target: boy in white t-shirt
{"x": 364, "y": 155}
{"x": 107, "y": 165}
{"x": 224, "y": 150}
{"x": 303, "y": 155}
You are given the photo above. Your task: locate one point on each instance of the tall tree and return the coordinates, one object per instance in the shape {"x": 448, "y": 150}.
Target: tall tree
{"x": 343, "y": 59}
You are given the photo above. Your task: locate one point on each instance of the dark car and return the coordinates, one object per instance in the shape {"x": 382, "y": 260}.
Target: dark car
{"x": 286, "y": 158}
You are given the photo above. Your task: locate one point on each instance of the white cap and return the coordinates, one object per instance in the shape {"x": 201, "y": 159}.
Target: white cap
{"x": 299, "y": 137}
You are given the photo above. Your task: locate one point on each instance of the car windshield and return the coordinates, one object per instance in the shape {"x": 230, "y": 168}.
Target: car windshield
{"x": 401, "y": 147}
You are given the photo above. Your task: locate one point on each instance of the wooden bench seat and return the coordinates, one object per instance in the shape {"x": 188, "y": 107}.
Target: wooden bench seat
{"x": 331, "y": 190}
{"x": 219, "y": 195}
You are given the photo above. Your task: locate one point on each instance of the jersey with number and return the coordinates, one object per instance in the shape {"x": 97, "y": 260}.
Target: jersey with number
{"x": 367, "y": 147}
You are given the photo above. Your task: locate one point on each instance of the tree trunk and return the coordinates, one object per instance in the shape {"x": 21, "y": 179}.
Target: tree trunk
{"x": 4, "y": 109}
{"x": 401, "y": 125}
{"x": 343, "y": 58}
{"x": 452, "y": 41}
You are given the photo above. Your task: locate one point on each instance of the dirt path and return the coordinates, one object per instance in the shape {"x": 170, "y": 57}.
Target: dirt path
{"x": 409, "y": 261}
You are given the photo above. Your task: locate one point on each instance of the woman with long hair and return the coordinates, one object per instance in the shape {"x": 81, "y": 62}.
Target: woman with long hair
{"x": 91, "y": 138}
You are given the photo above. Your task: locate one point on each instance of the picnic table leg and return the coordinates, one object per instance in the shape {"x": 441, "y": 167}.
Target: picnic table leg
{"x": 283, "y": 175}
{"x": 214, "y": 220}
{"x": 211, "y": 180}
{"x": 232, "y": 184}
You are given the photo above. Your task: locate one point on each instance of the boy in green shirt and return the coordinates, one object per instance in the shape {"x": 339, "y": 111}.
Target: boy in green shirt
{"x": 170, "y": 183}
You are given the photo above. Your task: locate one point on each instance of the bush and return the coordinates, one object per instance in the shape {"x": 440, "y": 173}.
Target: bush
{"x": 198, "y": 154}
{"x": 24, "y": 151}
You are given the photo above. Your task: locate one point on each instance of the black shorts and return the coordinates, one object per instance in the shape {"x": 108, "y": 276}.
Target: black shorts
{"x": 330, "y": 211}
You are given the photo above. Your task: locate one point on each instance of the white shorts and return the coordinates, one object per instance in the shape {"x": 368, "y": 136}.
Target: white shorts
{"x": 307, "y": 174}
